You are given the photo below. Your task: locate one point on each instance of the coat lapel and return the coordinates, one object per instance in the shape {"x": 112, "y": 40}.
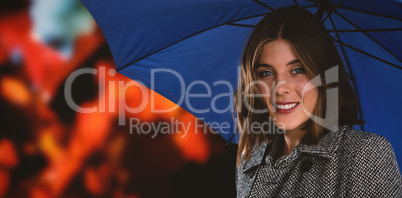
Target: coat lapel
{"x": 256, "y": 157}
{"x": 327, "y": 146}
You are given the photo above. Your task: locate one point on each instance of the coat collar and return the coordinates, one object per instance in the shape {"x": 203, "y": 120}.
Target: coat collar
{"x": 255, "y": 157}
{"x": 326, "y": 147}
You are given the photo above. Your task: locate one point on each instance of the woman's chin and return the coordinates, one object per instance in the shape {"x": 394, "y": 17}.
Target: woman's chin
{"x": 280, "y": 125}
{"x": 286, "y": 127}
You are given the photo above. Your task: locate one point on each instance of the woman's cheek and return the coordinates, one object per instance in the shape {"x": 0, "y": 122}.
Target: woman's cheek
{"x": 308, "y": 91}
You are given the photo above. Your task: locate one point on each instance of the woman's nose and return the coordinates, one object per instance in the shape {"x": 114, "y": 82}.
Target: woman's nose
{"x": 282, "y": 87}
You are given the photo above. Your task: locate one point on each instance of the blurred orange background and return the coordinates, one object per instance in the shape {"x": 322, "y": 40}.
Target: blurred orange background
{"x": 49, "y": 150}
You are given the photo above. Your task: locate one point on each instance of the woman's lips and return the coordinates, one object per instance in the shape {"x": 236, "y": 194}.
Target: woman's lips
{"x": 285, "y": 107}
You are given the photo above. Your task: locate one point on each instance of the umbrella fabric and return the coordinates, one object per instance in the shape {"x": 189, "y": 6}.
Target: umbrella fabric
{"x": 180, "y": 48}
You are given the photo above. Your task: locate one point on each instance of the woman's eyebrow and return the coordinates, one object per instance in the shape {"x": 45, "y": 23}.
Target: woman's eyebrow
{"x": 263, "y": 65}
{"x": 293, "y": 62}
{"x": 296, "y": 61}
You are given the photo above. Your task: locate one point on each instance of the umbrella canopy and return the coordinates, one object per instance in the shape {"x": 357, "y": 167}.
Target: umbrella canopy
{"x": 182, "y": 48}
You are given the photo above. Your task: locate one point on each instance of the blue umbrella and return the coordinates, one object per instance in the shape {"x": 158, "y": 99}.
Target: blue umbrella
{"x": 182, "y": 48}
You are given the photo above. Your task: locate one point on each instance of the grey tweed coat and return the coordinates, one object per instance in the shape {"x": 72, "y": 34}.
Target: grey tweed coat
{"x": 346, "y": 163}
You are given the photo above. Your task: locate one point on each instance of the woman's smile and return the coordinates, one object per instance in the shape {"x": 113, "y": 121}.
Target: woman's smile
{"x": 285, "y": 107}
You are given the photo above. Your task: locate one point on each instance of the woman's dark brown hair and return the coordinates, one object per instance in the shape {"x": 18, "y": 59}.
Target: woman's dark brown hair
{"x": 318, "y": 54}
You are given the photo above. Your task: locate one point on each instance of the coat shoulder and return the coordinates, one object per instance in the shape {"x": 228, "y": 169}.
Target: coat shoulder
{"x": 371, "y": 158}
{"x": 362, "y": 135}
{"x": 354, "y": 140}
{"x": 361, "y": 148}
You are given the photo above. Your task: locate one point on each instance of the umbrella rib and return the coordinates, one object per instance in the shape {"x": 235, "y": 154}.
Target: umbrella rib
{"x": 295, "y": 2}
{"x": 261, "y": 3}
{"x": 336, "y": 35}
{"x": 367, "y": 54}
{"x": 367, "y": 12}
{"x": 369, "y": 30}
{"x": 352, "y": 78}
{"x": 242, "y": 25}
{"x": 331, "y": 11}
{"x": 258, "y": 15}
{"x": 365, "y": 33}
{"x": 121, "y": 68}
{"x": 310, "y": 6}
{"x": 231, "y": 137}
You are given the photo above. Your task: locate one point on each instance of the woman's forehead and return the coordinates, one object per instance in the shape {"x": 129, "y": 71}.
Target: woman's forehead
{"x": 277, "y": 53}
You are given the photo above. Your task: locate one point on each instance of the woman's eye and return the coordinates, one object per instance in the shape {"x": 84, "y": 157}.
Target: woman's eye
{"x": 265, "y": 74}
{"x": 298, "y": 71}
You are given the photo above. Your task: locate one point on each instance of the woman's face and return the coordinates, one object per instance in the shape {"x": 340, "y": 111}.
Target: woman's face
{"x": 282, "y": 80}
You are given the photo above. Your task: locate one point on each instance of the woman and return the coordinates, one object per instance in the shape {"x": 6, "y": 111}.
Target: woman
{"x": 293, "y": 78}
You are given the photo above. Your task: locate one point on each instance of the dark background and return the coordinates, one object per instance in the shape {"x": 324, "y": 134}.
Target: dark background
{"x": 49, "y": 150}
